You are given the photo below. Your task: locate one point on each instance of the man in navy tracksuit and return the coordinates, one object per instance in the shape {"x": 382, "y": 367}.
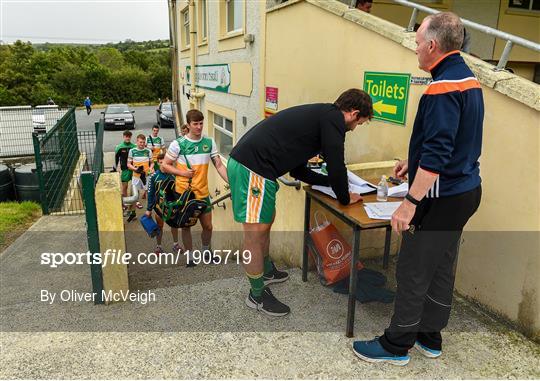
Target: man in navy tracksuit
{"x": 444, "y": 180}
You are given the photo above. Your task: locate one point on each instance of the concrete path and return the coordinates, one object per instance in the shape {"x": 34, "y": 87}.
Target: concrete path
{"x": 201, "y": 328}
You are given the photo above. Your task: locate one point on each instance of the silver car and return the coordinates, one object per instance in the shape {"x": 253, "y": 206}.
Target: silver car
{"x": 118, "y": 116}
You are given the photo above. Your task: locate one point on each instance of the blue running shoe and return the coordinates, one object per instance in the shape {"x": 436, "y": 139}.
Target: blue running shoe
{"x": 426, "y": 351}
{"x": 372, "y": 351}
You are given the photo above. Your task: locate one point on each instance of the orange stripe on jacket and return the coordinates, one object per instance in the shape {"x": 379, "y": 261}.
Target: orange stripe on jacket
{"x": 448, "y": 87}
{"x": 434, "y": 64}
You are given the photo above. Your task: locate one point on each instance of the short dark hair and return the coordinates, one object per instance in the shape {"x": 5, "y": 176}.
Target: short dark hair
{"x": 155, "y": 126}
{"x": 127, "y": 133}
{"x": 161, "y": 156}
{"x": 356, "y": 99}
{"x": 194, "y": 116}
{"x": 141, "y": 136}
{"x": 362, "y": 2}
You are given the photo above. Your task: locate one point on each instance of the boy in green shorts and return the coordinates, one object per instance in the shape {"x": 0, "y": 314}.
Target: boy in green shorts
{"x": 188, "y": 158}
{"x": 140, "y": 162}
{"x": 121, "y": 153}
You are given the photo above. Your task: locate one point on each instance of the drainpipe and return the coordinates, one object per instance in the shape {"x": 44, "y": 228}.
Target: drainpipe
{"x": 130, "y": 200}
{"x": 194, "y": 94}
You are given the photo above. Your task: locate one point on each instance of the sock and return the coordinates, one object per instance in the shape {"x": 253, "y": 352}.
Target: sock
{"x": 175, "y": 243}
{"x": 205, "y": 248}
{"x": 268, "y": 265}
{"x": 257, "y": 284}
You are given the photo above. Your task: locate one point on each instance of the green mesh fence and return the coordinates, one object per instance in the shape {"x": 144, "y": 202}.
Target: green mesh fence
{"x": 61, "y": 155}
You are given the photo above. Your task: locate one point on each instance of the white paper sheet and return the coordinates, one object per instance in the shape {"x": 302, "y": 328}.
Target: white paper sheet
{"x": 357, "y": 180}
{"x": 399, "y": 191}
{"x": 356, "y": 185}
{"x": 381, "y": 210}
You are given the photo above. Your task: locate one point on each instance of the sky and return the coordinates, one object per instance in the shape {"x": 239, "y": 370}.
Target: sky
{"x": 83, "y": 21}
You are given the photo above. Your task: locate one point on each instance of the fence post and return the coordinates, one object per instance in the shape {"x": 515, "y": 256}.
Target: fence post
{"x": 92, "y": 235}
{"x": 39, "y": 171}
{"x": 99, "y": 144}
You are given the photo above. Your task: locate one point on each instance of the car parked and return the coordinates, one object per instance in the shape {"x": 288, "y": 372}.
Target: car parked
{"x": 118, "y": 116}
{"x": 164, "y": 115}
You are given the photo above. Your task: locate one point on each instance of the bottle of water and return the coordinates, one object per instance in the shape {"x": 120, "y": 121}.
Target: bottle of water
{"x": 382, "y": 189}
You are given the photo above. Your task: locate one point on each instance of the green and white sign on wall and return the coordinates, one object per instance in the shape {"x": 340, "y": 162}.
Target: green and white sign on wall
{"x": 389, "y": 93}
{"x": 213, "y": 77}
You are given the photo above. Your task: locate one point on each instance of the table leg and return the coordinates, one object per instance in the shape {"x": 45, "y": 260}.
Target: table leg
{"x": 352, "y": 282}
{"x": 306, "y": 237}
{"x": 387, "y": 240}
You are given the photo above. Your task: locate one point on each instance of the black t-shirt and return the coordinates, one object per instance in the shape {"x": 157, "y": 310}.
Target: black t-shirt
{"x": 287, "y": 140}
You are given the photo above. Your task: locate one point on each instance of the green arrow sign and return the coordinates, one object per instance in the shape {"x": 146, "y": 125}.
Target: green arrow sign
{"x": 389, "y": 93}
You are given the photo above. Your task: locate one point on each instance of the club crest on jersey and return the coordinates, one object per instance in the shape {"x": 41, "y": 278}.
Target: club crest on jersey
{"x": 205, "y": 148}
{"x": 256, "y": 192}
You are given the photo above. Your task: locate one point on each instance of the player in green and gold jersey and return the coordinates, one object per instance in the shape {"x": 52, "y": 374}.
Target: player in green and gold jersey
{"x": 141, "y": 163}
{"x": 188, "y": 158}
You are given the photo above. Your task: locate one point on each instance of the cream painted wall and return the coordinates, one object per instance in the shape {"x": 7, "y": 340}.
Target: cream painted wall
{"x": 526, "y": 25}
{"x": 327, "y": 64}
{"x": 481, "y": 43}
{"x": 329, "y": 54}
{"x": 493, "y": 13}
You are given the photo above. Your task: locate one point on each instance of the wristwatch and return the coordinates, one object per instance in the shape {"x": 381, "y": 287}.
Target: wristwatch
{"x": 412, "y": 200}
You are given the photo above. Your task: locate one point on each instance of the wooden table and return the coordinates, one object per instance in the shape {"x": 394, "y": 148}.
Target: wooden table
{"x": 356, "y": 217}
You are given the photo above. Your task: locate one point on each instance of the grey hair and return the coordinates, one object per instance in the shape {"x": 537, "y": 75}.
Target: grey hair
{"x": 447, "y": 29}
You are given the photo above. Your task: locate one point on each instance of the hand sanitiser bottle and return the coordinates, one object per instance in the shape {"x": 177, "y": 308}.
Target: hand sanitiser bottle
{"x": 382, "y": 189}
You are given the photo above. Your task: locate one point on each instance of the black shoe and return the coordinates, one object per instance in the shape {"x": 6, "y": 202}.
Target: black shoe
{"x": 190, "y": 263}
{"x": 267, "y": 303}
{"x": 275, "y": 276}
{"x": 132, "y": 216}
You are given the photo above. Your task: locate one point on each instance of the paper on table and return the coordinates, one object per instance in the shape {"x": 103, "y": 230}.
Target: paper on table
{"x": 325, "y": 190}
{"x": 357, "y": 180}
{"x": 352, "y": 188}
{"x": 356, "y": 185}
{"x": 381, "y": 210}
{"x": 399, "y": 191}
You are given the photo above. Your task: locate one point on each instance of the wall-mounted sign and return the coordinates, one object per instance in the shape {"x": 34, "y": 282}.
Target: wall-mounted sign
{"x": 389, "y": 93}
{"x": 213, "y": 77}
{"x": 271, "y": 98}
{"x": 421, "y": 80}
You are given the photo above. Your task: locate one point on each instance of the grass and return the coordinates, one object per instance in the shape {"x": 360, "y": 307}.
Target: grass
{"x": 15, "y": 218}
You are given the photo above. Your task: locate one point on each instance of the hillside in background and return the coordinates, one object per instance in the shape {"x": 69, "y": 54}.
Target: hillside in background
{"x": 125, "y": 72}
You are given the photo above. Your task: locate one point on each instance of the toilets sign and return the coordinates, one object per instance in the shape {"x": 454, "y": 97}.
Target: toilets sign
{"x": 389, "y": 93}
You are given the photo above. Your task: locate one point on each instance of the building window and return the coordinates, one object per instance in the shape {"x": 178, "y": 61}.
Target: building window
{"x": 185, "y": 29}
{"x": 528, "y": 5}
{"x": 223, "y": 134}
{"x": 234, "y": 15}
{"x": 202, "y": 21}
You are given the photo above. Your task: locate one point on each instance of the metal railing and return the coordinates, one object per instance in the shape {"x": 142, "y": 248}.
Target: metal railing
{"x": 509, "y": 38}
{"x": 61, "y": 155}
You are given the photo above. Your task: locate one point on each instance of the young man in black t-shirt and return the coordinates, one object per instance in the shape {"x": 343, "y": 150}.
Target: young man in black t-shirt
{"x": 277, "y": 145}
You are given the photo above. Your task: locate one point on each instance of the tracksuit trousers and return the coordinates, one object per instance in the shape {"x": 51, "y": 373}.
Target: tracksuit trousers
{"x": 425, "y": 271}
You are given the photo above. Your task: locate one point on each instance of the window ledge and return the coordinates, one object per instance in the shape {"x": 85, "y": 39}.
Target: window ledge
{"x": 185, "y": 49}
{"x": 202, "y": 44}
{"x": 232, "y": 35}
